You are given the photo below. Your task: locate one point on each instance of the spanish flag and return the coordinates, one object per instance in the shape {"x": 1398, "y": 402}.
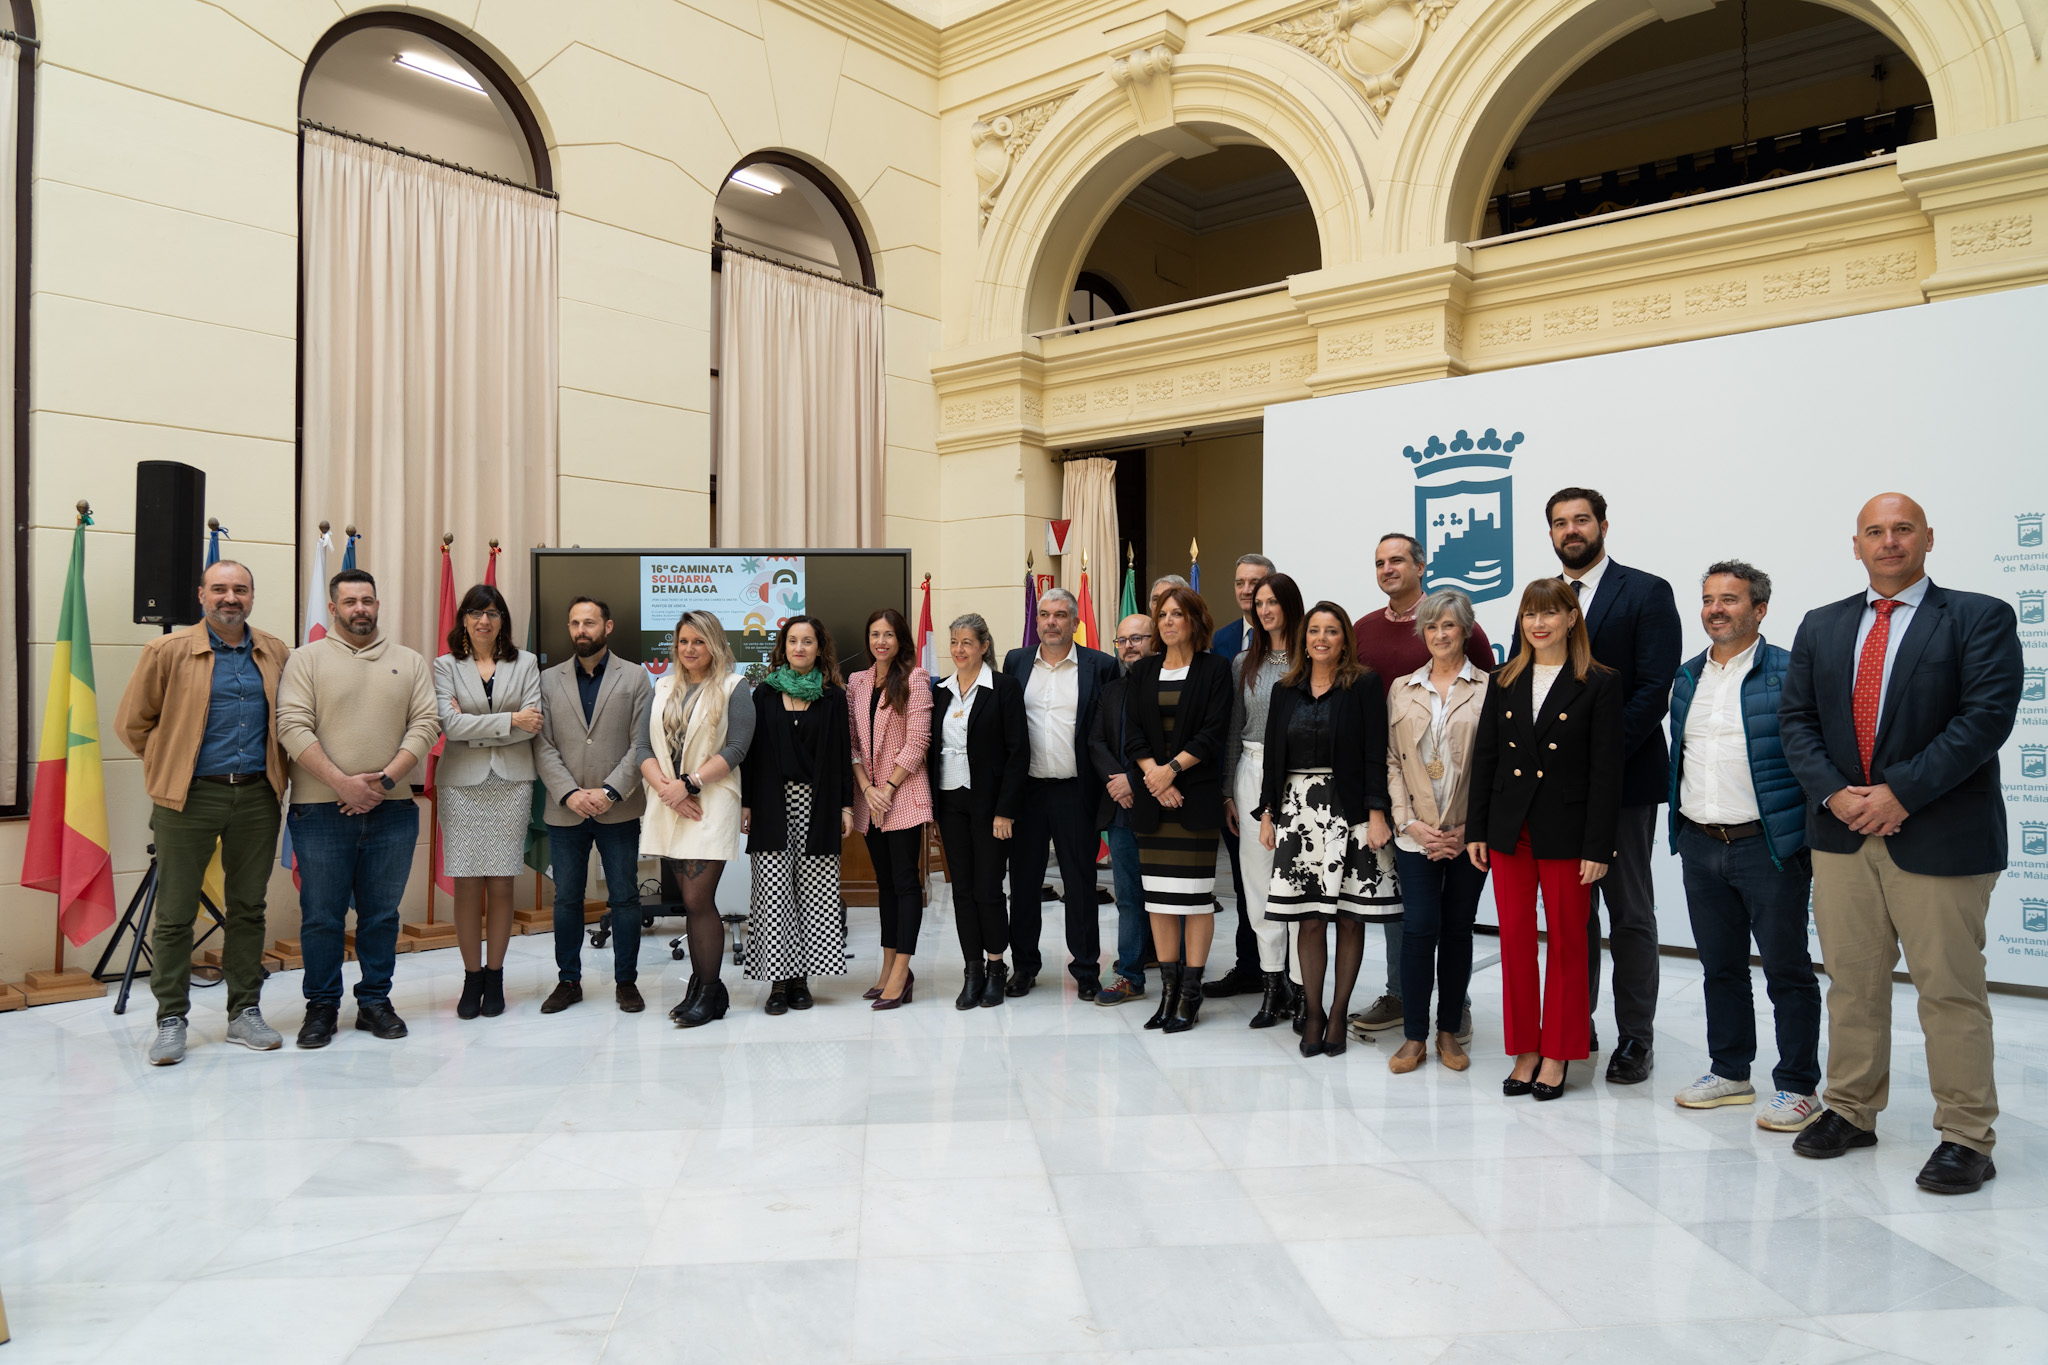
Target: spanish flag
{"x": 67, "y": 826}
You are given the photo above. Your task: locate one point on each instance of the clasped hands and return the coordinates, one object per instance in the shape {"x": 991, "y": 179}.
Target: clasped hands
{"x": 359, "y": 793}
{"x": 1159, "y": 781}
{"x": 1440, "y": 844}
{"x": 591, "y": 802}
{"x": 1868, "y": 810}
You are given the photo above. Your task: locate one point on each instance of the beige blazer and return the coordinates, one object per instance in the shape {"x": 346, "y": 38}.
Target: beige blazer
{"x": 573, "y": 754}
{"x": 1408, "y": 719}
{"x": 482, "y": 741}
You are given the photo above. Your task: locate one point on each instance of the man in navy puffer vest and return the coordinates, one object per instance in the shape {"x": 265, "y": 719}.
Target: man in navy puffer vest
{"x": 1738, "y": 824}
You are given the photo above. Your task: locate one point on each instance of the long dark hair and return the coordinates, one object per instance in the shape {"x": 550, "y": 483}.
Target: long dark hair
{"x": 1550, "y": 594}
{"x": 479, "y": 598}
{"x": 1288, "y": 595}
{"x": 1299, "y": 670}
{"x": 828, "y": 658}
{"x": 896, "y": 682}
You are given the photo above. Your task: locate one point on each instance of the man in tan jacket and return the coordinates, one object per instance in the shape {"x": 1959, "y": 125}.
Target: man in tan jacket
{"x": 355, "y": 711}
{"x": 200, "y": 712}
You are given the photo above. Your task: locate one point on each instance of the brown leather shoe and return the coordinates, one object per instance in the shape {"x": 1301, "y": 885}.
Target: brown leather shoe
{"x": 1450, "y": 1053}
{"x": 1403, "y": 1061}
{"x": 564, "y": 995}
{"x": 629, "y": 998}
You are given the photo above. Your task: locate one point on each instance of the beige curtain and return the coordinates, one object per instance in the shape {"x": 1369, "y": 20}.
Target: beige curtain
{"x": 10, "y": 572}
{"x": 800, "y": 409}
{"x": 1089, "y": 501}
{"x": 430, "y": 373}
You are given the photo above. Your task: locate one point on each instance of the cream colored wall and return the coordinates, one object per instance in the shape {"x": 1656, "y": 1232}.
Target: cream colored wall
{"x": 1211, "y": 492}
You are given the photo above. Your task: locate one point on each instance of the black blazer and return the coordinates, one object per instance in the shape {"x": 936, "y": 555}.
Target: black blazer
{"x": 1560, "y": 774}
{"x": 769, "y": 762}
{"x": 1106, "y": 746}
{"x": 1954, "y": 694}
{"x": 1635, "y": 631}
{"x": 998, "y": 750}
{"x": 1201, "y": 722}
{"x": 1096, "y": 668}
{"x": 1359, "y": 741}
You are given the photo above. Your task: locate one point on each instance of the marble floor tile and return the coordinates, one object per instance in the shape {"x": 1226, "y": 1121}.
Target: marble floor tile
{"x": 365, "y": 1235}
{"x": 1846, "y": 1265}
{"x": 926, "y": 1307}
{"x": 260, "y": 1322}
{"x": 1158, "y": 1208}
{"x": 498, "y": 1317}
{"x": 1423, "y": 1286}
{"x": 1202, "y": 1296}
{"x": 1312, "y": 1203}
{"x": 1958, "y": 1336}
{"x": 921, "y": 1217}
{"x": 790, "y": 1311}
{"x": 970, "y": 1149}
{"x": 1166, "y": 1142}
{"x": 728, "y": 1160}
{"x": 547, "y": 1229}
{"x": 1670, "y": 1274}
{"x": 799, "y": 1223}
{"x": 75, "y": 1324}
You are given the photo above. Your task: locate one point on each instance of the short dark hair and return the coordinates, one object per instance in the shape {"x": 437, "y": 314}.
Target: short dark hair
{"x": 598, "y": 602}
{"x": 349, "y": 576}
{"x": 1414, "y": 545}
{"x": 1759, "y": 581}
{"x": 1576, "y": 495}
{"x": 232, "y": 564}
{"x": 1200, "y": 623}
{"x": 483, "y": 597}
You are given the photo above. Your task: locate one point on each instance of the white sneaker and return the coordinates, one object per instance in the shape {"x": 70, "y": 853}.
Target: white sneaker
{"x": 1711, "y": 1092}
{"x": 248, "y": 1029}
{"x": 1788, "y": 1113}
{"x": 169, "y": 1047}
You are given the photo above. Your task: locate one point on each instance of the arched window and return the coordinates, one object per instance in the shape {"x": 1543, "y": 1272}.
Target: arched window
{"x": 17, "y": 176}
{"x": 1094, "y": 300}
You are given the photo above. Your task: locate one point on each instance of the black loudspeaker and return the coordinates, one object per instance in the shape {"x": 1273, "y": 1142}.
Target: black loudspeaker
{"x": 170, "y": 499}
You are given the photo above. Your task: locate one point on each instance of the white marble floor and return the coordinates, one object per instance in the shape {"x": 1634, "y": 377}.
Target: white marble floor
{"x": 1041, "y": 1182}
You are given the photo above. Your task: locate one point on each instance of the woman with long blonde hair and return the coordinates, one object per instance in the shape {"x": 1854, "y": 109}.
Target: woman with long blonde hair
{"x": 696, "y": 738}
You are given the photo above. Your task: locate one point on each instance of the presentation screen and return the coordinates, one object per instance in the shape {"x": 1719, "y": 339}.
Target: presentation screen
{"x": 752, "y": 592}
{"x": 1761, "y": 447}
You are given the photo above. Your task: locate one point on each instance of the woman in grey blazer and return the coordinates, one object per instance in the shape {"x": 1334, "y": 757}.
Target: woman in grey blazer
{"x": 488, "y": 693}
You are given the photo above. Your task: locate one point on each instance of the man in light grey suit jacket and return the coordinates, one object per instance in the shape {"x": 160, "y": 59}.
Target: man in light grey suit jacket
{"x": 589, "y": 761}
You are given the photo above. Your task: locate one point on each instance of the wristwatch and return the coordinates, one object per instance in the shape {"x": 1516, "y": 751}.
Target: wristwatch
{"x": 388, "y": 783}
{"x": 1174, "y": 764}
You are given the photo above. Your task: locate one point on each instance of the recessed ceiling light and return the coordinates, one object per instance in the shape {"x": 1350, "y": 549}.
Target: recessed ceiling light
{"x": 755, "y": 180}
{"x": 434, "y": 66}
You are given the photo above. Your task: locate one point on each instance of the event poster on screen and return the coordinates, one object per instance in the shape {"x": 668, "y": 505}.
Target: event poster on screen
{"x": 751, "y": 595}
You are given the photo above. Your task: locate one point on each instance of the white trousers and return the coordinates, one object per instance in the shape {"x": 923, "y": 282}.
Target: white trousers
{"x": 1255, "y": 863}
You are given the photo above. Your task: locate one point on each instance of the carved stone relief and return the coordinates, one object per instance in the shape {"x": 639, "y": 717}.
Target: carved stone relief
{"x": 1991, "y": 234}
{"x": 1374, "y": 42}
{"x": 1798, "y": 284}
{"x": 1868, "y": 272}
{"x": 1000, "y": 141}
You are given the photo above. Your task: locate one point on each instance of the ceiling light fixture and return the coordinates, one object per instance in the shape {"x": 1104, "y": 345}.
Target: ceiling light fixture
{"x": 433, "y": 66}
{"x": 754, "y": 180}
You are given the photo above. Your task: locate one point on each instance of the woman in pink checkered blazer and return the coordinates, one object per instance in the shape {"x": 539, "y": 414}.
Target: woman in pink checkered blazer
{"x": 891, "y": 706}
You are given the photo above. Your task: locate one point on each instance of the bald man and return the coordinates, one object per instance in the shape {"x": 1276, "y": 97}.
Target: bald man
{"x": 1896, "y": 702}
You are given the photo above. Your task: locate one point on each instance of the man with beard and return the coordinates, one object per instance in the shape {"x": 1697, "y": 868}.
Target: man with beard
{"x": 1632, "y": 619}
{"x": 199, "y": 712}
{"x": 593, "y": 708}
{"x": 1738, "y": 825}
{"x": 356, "y": 712}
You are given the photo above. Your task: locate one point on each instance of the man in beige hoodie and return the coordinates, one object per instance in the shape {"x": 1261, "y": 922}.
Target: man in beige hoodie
{"x": 355, "y": 713}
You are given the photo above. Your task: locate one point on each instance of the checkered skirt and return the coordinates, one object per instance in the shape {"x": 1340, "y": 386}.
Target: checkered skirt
{"x": 796, "y": 925}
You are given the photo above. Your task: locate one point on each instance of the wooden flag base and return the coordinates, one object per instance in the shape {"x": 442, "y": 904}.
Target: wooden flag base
{"x": 54, "y": 988}
{"x": 423, "y": 936}
{"x": 285, "y": 952}
{"x": 533, "y": 921}
{"x": 11, "y": 998}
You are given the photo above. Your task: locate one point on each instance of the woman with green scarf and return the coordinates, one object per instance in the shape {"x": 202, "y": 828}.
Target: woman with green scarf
{"x": 797, "y": 804}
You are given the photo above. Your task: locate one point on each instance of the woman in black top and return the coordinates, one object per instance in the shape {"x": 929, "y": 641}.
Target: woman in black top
{"x": 1178, "y": 714}
{"x": 1323, "y": 812}
{"x": 1546, "y": 795}
{"x": 977, "y": 759}
{"x": 797, "y": 804}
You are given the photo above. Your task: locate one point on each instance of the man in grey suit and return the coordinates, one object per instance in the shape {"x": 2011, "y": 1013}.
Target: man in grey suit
{"x": 589, "y": 761}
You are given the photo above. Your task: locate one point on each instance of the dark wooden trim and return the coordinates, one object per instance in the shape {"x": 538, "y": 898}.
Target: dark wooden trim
{"x": 487, "y": 65}
{"x": 24, "y": 258}
{"x": 833, "y": 195}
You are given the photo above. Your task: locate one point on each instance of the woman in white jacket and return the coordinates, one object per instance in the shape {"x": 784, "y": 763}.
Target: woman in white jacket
{"x": 695, "y": 739}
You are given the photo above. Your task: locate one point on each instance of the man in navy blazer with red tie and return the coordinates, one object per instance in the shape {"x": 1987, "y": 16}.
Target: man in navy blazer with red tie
{"x": 1895, "y": 706}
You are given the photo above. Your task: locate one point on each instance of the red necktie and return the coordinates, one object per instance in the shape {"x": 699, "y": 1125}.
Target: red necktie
{"x": 1870, "y": 680}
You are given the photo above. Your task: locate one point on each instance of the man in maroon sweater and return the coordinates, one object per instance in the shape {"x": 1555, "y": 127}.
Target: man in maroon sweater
{"x": 1389, "y": 646}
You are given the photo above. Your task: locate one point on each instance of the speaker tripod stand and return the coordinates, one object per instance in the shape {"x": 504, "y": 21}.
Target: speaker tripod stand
{"x": 135, "y": 920}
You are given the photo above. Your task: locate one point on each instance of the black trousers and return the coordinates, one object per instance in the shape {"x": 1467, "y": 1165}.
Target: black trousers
{"x": 1247, "y": 942}
{"x": 976, "y": 858}
{"x": 899, "y": 891}
{"x": 1059, "y": 811}
{"x": 1632, "y": 928}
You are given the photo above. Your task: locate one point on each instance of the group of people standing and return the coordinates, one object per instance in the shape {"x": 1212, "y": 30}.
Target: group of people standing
{"x": 1376, "y": 770}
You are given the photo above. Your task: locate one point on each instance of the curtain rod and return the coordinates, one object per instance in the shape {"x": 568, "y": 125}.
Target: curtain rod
{"x": 422, "y": 156}
{"x": 720, "y": 248}
{"x": 11, "y": 36}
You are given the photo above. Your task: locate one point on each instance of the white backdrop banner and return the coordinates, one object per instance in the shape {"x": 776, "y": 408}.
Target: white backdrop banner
{"x": 1761, "y": 447}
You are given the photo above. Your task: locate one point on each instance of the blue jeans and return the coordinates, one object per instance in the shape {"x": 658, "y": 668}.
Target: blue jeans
{"x": 1733, "y": 892}
{"x": 367, "y": 857}
{"x": 1133, "y": 925}
{"x": 618, "y": 845}
{"x": 1439, "y": 901}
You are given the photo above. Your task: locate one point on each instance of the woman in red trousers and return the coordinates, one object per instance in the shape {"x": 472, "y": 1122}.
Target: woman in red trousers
{"x": 1546, "y": 792}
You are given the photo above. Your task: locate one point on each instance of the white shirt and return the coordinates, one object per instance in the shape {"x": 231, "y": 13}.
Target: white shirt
{"x": 1902, "y": 616}
{"x": 1052, "y": 702}
{"x": 1714, "y": 784}
{"x": 953, "y": 773}
{"x": 1589, "y": 584}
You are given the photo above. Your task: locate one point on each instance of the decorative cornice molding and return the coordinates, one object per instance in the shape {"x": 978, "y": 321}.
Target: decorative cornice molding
{"x": 1373, "y": 42}
{"x": 1000, "y": 140}
{"x": 883, "y": 27}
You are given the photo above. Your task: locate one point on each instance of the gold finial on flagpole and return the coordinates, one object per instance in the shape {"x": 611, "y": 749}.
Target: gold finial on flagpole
{"x": 1028, "y": 561}
{"x": 1084, "y": 561}
{"x": 1194, "y": 550}
{"x": 1131, "y": 553}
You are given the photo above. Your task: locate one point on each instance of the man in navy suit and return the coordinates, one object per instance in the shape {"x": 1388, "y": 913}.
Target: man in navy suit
{"x": 1895, "y": 706}
{"x": 1632, "y": 619}
{"x": 1251, "y": 571}
{"x": 1244, "y": 976}
{"x": 1062, "y": 683}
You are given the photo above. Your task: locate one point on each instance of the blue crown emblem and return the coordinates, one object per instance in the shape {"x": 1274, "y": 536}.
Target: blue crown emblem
{"x": 1464, "y": 510}
{"x": 2033, "y": 606}
{"x": 2034, "y": 915}
{"x": 2029, "y": 528}
{"x": 2034, "y": 684}
{"x": 2034, "y": 838}
{"x": 2034, "y": 760}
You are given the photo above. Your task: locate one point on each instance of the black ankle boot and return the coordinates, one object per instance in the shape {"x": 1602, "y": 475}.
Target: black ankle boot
{"x": 493, "y": 1002}
{"x": 1169, "y": 987}
{"x": 690, "y": 994}
{"x": 1187, "y": 1002}
{"x": 1273, "y": 1003}
{"x": 708, "y": 1003}
{"x": 472, "y": 995}
{"x": 998, "y": 973}
{"x": 974, "y": 983}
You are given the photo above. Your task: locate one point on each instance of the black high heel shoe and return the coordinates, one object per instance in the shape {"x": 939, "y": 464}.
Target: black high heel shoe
{"x": 1512, "y": 1088}
{"x": 1313, "y": 1025}
{"x": 1550, "y": 1092}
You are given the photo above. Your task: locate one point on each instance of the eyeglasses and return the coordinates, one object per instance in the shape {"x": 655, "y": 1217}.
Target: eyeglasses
{"x": 1132, "y": 639}
{"x": 487, "y": 614}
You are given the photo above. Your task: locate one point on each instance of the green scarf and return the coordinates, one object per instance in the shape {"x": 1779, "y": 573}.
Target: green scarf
{"x": 803, "y": 686}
